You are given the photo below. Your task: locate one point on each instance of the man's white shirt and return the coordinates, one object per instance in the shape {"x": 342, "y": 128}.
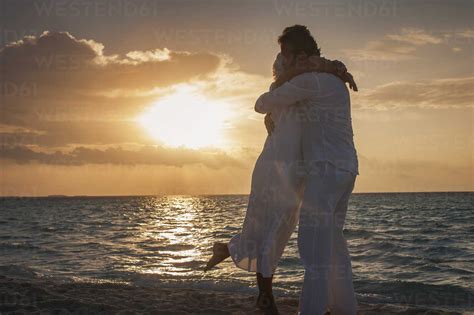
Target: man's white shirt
{"x": 324, "y": 111}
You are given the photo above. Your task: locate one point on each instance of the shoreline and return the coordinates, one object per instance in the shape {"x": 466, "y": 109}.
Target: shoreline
{"x": 47, "y": 297}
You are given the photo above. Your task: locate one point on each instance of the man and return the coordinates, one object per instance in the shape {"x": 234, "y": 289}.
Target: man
{"x": 330, "y": 167}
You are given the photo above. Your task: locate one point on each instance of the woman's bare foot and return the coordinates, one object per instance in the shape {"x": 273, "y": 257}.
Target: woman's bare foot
{"x": 219, "y": 253}
{"x": 266, "y": 303}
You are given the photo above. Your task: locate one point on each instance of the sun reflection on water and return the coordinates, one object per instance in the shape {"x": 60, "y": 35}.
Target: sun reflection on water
{"x": 171, "y": 233}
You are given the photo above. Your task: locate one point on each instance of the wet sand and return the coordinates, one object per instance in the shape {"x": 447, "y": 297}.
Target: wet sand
{"x": 18, "y": 296}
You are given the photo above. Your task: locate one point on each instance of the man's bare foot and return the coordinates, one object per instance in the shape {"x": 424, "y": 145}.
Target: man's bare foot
{"x": 219, "y": 253}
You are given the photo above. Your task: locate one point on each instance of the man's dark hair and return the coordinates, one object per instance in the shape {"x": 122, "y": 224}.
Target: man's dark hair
{"x": 300, "y": 38}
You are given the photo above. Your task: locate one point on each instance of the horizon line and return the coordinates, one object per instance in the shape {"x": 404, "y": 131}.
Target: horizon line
{"x": 194, "y": 195}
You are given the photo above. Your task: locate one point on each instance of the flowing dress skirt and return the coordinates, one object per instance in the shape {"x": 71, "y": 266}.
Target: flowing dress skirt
{"x": 275, "y": 198}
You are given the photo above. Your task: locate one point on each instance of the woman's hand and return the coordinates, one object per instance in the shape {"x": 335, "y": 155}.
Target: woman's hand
{"x": 321, "y": 64}
{"x": 347, "y": 77}
{"x": 339, "y": 67}
{"x": 269, "y": 124}
{"x": 305, "y": 64}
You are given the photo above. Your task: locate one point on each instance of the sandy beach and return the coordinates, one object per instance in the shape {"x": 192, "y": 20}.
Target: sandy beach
{"x": 110, "y": 298}
{"x": 18, "y": 296}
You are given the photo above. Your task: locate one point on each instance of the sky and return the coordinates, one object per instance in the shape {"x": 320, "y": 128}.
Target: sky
{"x": 147, "y": 97}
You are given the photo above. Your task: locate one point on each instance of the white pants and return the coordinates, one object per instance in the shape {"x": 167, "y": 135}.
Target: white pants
{"x": 322, "y": 246}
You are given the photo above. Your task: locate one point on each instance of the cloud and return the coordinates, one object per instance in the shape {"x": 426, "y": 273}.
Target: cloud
{"x": 468, "y": 33}
{"x": 86, "y": 132}
{"x": 394, "y": 47}
{"x": 442, "y": 93}
{"x": 388, "y": 50}
{"x": 415, "y": 36}
{"x": 64, "y": 93}
{"x": 80, "y": 64}
{"x": 57, "y": 72}
{"x": 146, "y": 155}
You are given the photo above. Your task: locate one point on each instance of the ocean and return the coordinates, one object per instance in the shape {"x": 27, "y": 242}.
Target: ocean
{"x": 407, "y": 249}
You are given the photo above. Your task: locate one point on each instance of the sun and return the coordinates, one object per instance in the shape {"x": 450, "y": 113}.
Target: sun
{"x": 187, "y": 118}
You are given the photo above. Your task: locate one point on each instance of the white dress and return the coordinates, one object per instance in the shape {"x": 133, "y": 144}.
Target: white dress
{"x": 275, "y": 198}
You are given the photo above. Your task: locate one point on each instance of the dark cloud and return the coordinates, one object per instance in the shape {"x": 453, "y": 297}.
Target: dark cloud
{"x": 55, "y": 72}
{"x": 87, "y": 132}
{"x": 59, "y": 60}
{"x": 146, "y": 155}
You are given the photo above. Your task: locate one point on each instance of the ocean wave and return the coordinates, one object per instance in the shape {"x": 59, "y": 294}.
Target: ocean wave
{"x": 416, "y": 293}
{"x": 170, "y": 247}
{"x": 153, "y": 280}
{"x": 20, "y": 271}
{"x": 357, "y": 233}
{"x": 18, "y": 245}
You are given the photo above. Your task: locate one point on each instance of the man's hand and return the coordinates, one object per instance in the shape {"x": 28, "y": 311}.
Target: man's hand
{"x": 269, "y": 124}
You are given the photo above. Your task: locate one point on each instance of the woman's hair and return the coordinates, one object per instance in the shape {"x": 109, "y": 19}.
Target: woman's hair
{"x": 300, "y": 38}
{"x": 277, "y": 66}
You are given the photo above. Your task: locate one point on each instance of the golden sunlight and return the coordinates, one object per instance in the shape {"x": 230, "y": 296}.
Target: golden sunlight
{"x": 187, "y": 118}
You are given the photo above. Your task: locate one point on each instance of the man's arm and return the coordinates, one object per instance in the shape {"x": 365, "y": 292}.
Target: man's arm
{"x": 285, "y": 95}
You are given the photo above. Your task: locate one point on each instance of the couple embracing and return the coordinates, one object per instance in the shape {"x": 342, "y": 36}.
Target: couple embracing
{"x": 305, "y": 173}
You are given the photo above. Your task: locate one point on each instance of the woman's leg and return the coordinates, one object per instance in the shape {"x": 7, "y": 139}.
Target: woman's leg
{"x": 264, "y": 284}
{"x": 220, "y": 252}
{"x": 265, "y": 300}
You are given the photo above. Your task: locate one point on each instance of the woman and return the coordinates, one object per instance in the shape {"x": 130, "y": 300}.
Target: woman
{"x": 276, "y": 187}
